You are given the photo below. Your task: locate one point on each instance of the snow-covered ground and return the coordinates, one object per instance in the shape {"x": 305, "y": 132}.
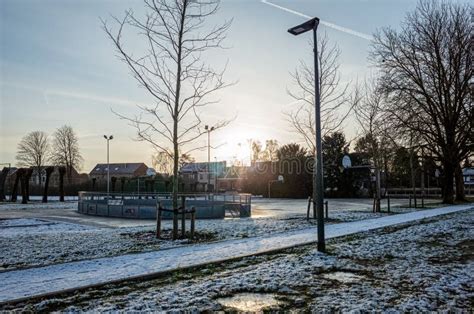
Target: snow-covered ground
{"x": 420, "y": 266}
{"x": 69, "y": 236}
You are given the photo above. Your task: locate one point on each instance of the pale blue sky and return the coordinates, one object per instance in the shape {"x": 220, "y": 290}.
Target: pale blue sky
{"x": 57, "y": 67}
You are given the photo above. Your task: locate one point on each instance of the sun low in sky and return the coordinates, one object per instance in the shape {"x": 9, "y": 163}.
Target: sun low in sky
{"x": 58, "y": 67}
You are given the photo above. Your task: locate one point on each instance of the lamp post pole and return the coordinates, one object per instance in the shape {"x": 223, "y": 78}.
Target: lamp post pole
{"x": 318, "y": 189}
{"x": 108, "y": 138}
{"x": 209, "y": 130}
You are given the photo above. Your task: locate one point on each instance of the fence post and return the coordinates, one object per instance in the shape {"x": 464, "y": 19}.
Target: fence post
{"x": 409, "y": 198}
{"x": 193, "y": 219}
{"x": 183, "y": 216}
{"x": 327, "y": 209}
{"x": 309, "y": 207}
{"x": 158, "y": 220}
{"x": 388, "y": 203}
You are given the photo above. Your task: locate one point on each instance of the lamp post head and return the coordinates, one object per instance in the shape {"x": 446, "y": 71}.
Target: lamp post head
{"x": 105, "y": 136}
{"x": 206, "y": 127}
{"x": 111, "y": 137}
{"x": 303, "y": 28}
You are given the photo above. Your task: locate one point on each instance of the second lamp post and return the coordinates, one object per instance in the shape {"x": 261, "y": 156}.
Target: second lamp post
{"x": 108, "y": 138}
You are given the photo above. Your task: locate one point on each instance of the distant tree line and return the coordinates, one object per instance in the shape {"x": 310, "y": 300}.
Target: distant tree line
{"x": 38, "y": 154}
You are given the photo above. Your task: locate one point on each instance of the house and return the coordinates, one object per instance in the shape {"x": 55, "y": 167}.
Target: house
{"x": 75, "y": 178}
{"x": 201, "y": 176}
{"x": 232, "y": 179}
{"x": 468, "y": 177}
{"x": 119, "y": 170}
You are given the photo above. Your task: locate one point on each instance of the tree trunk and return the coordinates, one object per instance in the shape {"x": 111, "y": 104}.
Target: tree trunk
{"x": 448, "y": 186}
{"x": 18, "y": 175}
{"x": 3, "y": 178}
{"x": 122, "y": 184}
{"x": 62, "y": 172}
{"x": 175, "y": 123}
{"x": 24, "y": 187}
{"x": 413, "y": 175}
{"x": 460, "y": 196}
{"x": 49, "y": 171}
{"x": 113, "y": 180}
{"x": 29, "y": 173}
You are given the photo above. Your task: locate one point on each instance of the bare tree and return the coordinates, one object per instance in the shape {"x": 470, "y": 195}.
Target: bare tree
{"x": 270, "y": 151}
{"x": 335, "y": 99}
{"x": 34, "y": 151}
{"x": 163, "y": 163}
{"x": 377, "y": 134}
{"x": 256, "y": 149}
{"x": 427, "y": 78}
{"x": 65, "y": 150}
{"x": 173, "y": 72}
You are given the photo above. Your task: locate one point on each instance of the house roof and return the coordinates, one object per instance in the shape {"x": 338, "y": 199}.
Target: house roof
{"x": 117, "y": 168}
{"x": 468, "y": 171}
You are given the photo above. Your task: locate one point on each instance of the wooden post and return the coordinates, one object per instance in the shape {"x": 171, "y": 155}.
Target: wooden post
{"x": 309, "y": 207}
{"x": 409, "y": 198}
{"x": 388, "y": 203}
{"x": 378, "y": 190}
{"x": 327, "y": 209}
{"x": 158, "y": 220}
{"x": 183, "y": 216}
{"x": 193, "y": 218}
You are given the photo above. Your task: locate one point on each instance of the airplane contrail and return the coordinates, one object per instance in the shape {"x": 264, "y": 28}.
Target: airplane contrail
{"x": 331, "y": 25}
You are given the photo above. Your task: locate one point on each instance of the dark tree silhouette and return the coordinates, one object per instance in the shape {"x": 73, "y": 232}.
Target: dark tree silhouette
{"x": 427, "y": 76}
{"x": 62, "y": 172}
{"x": 25, "y": 182}
{"x": 28, "y": 174}
{"x": 113, "y": 181}
{"x": 34, "y": 151}
{"x": 122, "y": 184}
{"x": 290, "y": 151}
{"x": 3, "y": 178}
{"x": 65, "y": 150}
{"x": 19, "y": 173}
{"x": 94, "y": 181}
{"x": 48, "y": 171}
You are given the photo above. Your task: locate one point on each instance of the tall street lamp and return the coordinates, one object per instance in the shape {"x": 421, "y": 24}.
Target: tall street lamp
{"x": 208, "y": 130}
{"x": 108, "y": 138}
{"x": 318, "y": 189}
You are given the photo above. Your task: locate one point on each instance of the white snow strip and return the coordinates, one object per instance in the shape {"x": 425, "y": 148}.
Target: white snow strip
{"x": 328, "y": 24}
{"x": 22, "y": 284}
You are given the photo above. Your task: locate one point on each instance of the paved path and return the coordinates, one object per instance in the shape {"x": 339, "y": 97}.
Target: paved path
{"x": 49, "y": 280}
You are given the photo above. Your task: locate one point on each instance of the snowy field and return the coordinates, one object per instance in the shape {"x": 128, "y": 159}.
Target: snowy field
{"x": 55, "y": 233}
{"x": 422, "y": 266}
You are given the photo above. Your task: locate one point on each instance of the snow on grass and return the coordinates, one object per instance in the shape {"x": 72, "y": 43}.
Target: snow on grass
{"x": 421, "y": 266}
{"x": 58, "y": 242}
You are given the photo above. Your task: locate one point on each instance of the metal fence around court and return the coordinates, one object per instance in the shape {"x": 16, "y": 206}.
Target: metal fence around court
{"x": 143, "y": 205}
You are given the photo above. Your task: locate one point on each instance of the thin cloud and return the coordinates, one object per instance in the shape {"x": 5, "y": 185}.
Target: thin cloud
{"x": 48, "y": 93}
{"x": 328, "y": 24}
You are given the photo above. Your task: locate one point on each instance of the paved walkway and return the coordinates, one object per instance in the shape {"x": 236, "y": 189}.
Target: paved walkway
{"x": 49, "y": 280}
